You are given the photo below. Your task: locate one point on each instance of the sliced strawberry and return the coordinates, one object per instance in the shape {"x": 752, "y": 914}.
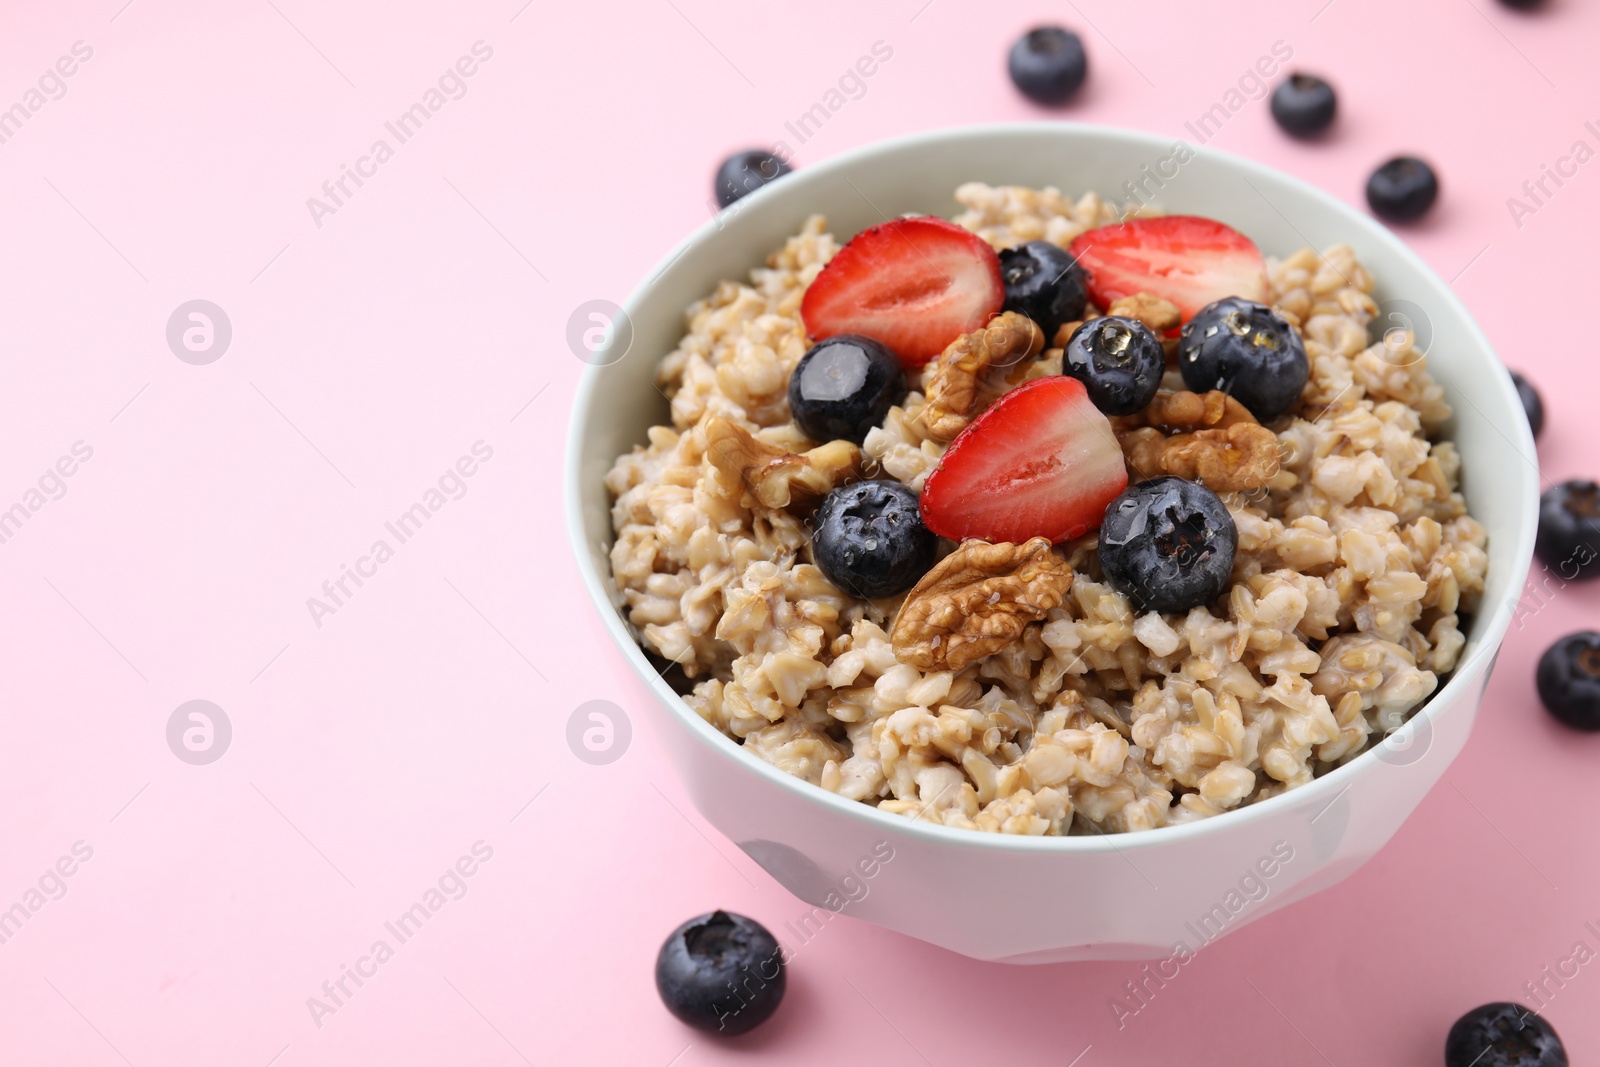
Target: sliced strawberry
{"x": 1185, "y": 259}
{"x": 915, "y": 284}
{"x": 1042, "y": 462}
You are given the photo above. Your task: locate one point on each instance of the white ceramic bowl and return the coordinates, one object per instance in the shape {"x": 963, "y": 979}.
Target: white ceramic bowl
{"x": 1047, "y": 899}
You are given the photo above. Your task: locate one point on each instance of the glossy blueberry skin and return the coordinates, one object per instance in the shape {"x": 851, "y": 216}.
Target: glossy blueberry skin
{"x": 1568, "y": 541}
{"x": 721, "y": 973}
{"x": 868, "y": 538}
{"x": 844, "y": 387}
{"x": 1304, "y": 105}
{"x": 1168, "y": 545}
{"x": 1246, "y": 350}
{"x": 1402, "y": 190}
{"x": 1568, "y": 678}
{"x": 1503, "y": 1035}
{"x": 1048, "y": 64}
{"x": 1044, "y": 282}
{"x": 1118, "y": 360}
{"x": 1532, "y": 403}
{"x": 744, "y": 172}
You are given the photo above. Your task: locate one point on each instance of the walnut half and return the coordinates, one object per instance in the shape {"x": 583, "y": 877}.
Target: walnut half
{"x": 955, "y": 381}
{"x": 976, "y": 601}
{"x": 776, "y": 478}
{"x": 1221, "y": 444}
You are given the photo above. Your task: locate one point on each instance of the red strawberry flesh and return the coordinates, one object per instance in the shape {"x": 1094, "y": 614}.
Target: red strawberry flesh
{"x": 1042, "y": 462}
{"x": 1186, "y": 259}
{"x": 915, "y": 284}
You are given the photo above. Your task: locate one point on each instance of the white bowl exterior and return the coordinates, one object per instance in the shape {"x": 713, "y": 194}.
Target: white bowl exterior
{"x": 998, "y": 897}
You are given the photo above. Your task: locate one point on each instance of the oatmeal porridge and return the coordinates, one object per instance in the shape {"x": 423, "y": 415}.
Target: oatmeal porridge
{"x": 1026, "y": 532}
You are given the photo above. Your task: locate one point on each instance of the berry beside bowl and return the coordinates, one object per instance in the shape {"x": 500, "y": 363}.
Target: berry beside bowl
{"x": 1041, "y": 464}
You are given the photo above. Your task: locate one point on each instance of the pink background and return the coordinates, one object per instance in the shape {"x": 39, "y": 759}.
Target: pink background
{"x": 429, "y": 313}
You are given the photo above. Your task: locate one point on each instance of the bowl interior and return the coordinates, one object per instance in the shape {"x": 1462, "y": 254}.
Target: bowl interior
{"x": 618, "y": 401}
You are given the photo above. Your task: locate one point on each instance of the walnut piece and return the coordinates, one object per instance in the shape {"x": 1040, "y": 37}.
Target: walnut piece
{"x": 954, "y": 385}
{"x": 1232, "y": 460}
{"x": 776, "y": 478}
{"x": 1064, "y": 333}
{"x": 1158, "y": 314}
{"x": 976, "y": 601}
{"x": 1219, "y": 443}
{"x": 1183, "y": 410}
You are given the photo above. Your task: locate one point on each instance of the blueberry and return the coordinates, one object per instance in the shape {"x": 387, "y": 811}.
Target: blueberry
{"x": 1118, "y": 360}
{"x": 1048, "y": 64}
{"x": 1523, "y": 5}
{"x": 1569, "y": 680}
{"x": 1304, "y": 105}
{"x": 721, "y": 973}
{"x": 1503, "y": 1035}
{"x": 1044, "y": 282}
{"x": 869, "y": 539}
{"x": 1167, "y": 544}
{"x": 844, "y": 387}
{"x": 1247, "y": 350}
{"x": 1531, "y": 403}
{"x": 1569, "y": 530}
{"x": 1402, "y": 190}
{"x": 745, "y": 172}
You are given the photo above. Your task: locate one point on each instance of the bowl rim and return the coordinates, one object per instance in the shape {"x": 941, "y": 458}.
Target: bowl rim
{"x": 1331, "y": 785}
